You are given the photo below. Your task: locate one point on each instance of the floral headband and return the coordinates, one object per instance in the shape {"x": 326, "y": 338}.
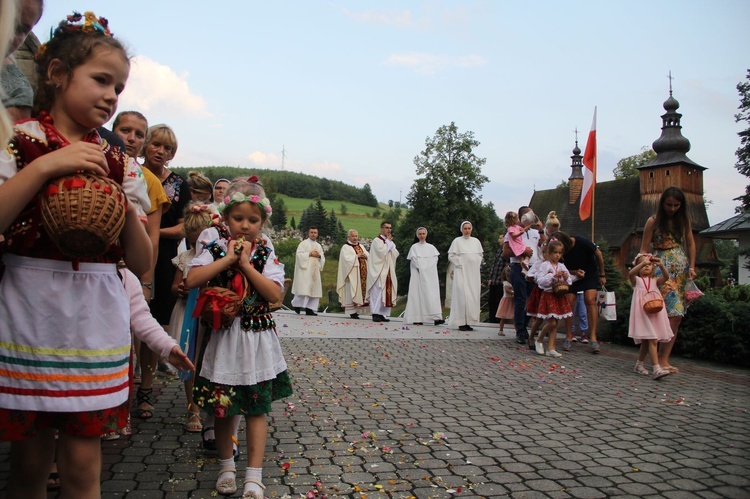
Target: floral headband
{"x": 86, "y": 23}
{"x": 264, "y": 204}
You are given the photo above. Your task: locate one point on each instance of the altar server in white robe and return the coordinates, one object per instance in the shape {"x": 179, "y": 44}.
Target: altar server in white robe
{"x": 423, "y": 302}
{"x": 382, "y": 285}
{"x": 308, "y": 264}
{"x": 351, "y": 284}
{"x": 466, "y": 255}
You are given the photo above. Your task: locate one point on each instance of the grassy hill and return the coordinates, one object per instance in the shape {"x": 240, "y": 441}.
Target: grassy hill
{"x": 357, "y": 216}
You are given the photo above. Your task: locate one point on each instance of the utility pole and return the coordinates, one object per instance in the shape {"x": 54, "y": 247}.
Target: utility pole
{"x": 283, "y": 155}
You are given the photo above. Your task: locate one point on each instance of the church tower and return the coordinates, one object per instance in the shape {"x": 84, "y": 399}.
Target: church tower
{"x": 575, "y": 181}
{"x": 671, "y": 166}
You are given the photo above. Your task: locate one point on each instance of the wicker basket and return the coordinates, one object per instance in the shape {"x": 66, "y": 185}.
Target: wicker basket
{"x": 83, "y": 213}
{"x": 219, "y": 306}
{"x": 652, "y": 302}
{"x": 560, "y": 288}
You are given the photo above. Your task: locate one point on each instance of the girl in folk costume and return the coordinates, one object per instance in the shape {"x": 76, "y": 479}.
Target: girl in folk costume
{"x": 505, "y": 309}
{"x": 423, "y": 303}
{"x": 241, "y": 368}
{"x": 465, "y": 253}
{"x": 648, "y": 329}
{"x": 351, "y": 283}
{"x": 552, "y": 306}
{"x": 198, "y": 217}
{"x": 70, "y": 372}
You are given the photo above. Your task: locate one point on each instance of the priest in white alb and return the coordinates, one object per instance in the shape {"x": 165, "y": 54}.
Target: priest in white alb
{"x": 381, "y": 274}
{"x": 423, "y": 301}
{"x": 308, "y": 264}
{"x": 351, "y": 284}
{"x": 466, "y": 255}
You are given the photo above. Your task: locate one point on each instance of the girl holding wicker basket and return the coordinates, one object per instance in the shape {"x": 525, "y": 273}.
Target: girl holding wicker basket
{"x": 65, "y": 333}
{"x": 241, "y": 368}
{"x": 649, "y": 323}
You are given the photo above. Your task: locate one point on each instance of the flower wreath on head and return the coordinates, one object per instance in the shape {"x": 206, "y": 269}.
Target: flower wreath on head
{"x": 86, "y": 23}
{"x": 263, "y": 203}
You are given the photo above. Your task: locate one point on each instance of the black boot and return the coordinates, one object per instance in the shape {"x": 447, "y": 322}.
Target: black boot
{"x": 354, "y": 316}
{"x": 309, "y": 312}
{"x": 296, "y": 310}
{"x": 439, "y": 321}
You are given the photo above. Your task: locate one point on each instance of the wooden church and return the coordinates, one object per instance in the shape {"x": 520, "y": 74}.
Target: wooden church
{"x": 623, "y": 206}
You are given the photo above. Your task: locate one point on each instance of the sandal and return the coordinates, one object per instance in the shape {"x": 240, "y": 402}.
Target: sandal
{"x": 53, "y": 481}
{"x": 252, "y": 494}
{"x": 225, "y": 483}
{"x": 639, "y": 369}
{"x": 193, "y": 422}
{"x": 671, "y": 369}
{"x": 209, "y": 444}
{"x": 143, "y": 396}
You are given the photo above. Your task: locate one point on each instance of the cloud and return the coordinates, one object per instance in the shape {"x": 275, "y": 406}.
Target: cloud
{"x": 430, "y": 63}
{"x": 265, "y": 160}
{"x": 155, "y": 89}
{"x": 398, "y": 19}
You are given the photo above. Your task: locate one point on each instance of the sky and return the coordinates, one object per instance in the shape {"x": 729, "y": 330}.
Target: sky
{"x": 351, "y": 90}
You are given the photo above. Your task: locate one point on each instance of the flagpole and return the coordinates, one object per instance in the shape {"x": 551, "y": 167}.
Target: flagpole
{"x": 593, "y": 196}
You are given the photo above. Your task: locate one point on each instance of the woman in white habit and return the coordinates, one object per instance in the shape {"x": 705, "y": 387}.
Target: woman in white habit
{"x": 466, "y": 255}
{"x": 423, "y": 302}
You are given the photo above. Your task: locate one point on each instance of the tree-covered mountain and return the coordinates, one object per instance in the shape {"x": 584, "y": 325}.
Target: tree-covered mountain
{"x": 298, "y": 185}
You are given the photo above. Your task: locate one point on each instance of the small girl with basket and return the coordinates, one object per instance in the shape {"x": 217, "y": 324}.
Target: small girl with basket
{"x": 649, "y": 323}
{"x": 553, "y": 280}
{"x": 505, "y": 308}
{"x": 241, "y": 368}
{"x": 198, "y": 217}
{"x": 65, "y": 330}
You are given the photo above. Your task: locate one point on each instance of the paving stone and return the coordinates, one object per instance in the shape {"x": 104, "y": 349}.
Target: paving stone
{"x": 495, "y": 416}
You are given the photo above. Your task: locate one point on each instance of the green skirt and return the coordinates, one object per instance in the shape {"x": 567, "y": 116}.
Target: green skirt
{"x": 226, "y": 400}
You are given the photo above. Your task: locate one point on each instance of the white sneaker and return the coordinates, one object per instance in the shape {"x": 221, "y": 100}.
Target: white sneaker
{"x": 553, "y": 353}
{"x": 539, "y": 347}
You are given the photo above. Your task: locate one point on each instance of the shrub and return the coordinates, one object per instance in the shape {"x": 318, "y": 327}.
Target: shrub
{"x": 714, "y": 327}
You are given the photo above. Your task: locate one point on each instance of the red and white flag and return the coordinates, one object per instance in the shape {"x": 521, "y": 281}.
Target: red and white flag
{"x": 589, "y": 174}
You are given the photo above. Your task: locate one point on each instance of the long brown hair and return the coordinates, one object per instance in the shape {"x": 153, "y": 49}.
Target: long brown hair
{"x": 72, "y": 48}
{"x": 679, "y": 221}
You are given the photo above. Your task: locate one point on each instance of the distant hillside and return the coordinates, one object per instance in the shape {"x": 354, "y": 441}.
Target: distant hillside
{"x": 292, "y": 184}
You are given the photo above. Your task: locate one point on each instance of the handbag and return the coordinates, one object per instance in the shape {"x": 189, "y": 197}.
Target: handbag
{"x": 692, "y": 293}
{"x": 652, "y": 301}
{"x": 605, "y": 302}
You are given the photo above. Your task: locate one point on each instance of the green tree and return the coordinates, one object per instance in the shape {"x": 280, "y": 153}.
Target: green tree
{"x": 278, "y": 217}
{"x": 743, "y": 152}
{"x": 314, "y": 215}
{"x": 293, "y": 223}
{"x": 445, "y": 194}
{"x": 628, "y": 167}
